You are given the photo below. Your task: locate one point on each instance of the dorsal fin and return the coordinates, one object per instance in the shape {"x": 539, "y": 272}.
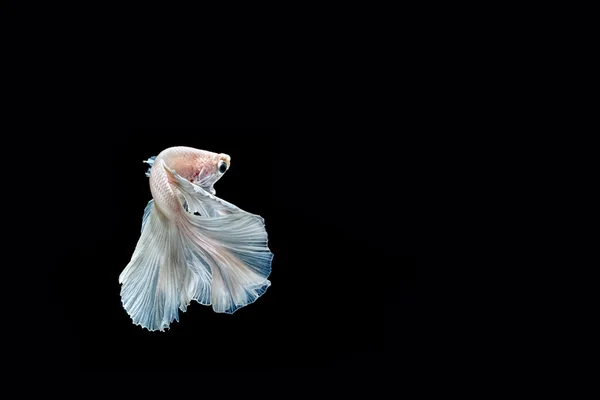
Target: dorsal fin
{"x": 150, "y": 162}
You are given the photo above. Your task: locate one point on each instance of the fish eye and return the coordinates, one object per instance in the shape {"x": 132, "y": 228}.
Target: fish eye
{"x": 222, "y": 167}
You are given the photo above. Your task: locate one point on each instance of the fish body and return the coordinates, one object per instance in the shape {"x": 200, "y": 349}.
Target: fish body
{"x": 193, "y": 245}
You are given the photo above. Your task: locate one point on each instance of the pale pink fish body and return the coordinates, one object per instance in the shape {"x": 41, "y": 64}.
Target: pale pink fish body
{"x": 197, "y": 166}
{"x": 219, "y": 257}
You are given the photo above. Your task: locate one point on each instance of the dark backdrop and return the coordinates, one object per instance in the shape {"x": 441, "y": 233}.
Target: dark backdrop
{"x": 340, "y": 217}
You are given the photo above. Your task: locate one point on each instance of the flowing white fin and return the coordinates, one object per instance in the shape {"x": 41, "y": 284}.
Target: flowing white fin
{"x": 152, "y": 281}
{"x": 227, "y": 242}
{"x": 220, "y": 257}
{"x": 150, "y": 162}
{"x": 146, "y": 213}
{"x": 198, "y": 199}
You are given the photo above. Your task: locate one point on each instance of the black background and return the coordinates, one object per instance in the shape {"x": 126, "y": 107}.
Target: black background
{"x": 340, "y": 217}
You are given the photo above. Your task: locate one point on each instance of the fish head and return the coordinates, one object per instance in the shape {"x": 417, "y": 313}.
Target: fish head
{"x": 210, "y": 169}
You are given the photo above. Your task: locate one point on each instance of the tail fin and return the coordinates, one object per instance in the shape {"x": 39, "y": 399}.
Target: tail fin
{"x": 220, "y": 257}
{"x": 234, "y": 249}
{"x": 152, "y": 281}
{"x": 227, "y": 241}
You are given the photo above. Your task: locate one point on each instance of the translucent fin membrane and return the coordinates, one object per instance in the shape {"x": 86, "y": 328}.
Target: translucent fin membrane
{"x": 220, "y": 257}
{"x": 150, "y": 162}
{"x": 230, "y": 243}
{"x": 152, "y": 281}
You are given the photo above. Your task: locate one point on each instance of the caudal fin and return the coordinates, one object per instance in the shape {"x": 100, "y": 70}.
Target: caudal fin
{"x": 153, "y": 279}
{"x": 220, "y": 257}
{"x": 234, "y": 249}
{"x": 230, "y": 243}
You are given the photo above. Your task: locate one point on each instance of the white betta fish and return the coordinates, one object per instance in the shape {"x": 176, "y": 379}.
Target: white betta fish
{"x": 194, "y": 245}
